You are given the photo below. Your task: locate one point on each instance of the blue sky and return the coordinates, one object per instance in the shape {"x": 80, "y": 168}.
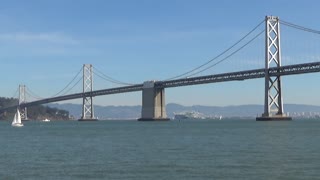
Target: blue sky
{"x": 43, "y": 44}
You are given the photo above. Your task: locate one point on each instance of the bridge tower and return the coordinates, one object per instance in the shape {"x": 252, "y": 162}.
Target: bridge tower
{"x": 87, "y": 105}
{"x": 273, "y": 105}
{"x": 153, "y": 103}
{"x": 23, "y": 99}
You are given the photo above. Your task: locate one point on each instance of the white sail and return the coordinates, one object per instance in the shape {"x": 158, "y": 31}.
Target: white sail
{"x": 17, "y": 119}
{"x": 14, "y": 119}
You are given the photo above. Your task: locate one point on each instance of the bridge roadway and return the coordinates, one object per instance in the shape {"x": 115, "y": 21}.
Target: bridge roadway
{"x": 233, "y": 76}
{"x": 242, "y": 75}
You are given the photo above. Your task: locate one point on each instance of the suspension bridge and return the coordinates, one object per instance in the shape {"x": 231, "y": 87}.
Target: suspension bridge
{"x": 153, "y": 92}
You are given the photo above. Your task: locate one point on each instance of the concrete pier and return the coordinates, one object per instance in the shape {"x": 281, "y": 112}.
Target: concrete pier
{"x": 81, "y": 119}
{"x": 153, "y": 103}
{"x": 274, "y": 118}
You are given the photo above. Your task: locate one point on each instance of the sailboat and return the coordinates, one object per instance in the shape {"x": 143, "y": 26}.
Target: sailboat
{"x": 17, "y": 120}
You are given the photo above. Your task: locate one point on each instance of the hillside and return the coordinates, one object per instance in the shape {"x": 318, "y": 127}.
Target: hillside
{"x": 34, "y": 113}
{"x": 133, "y": 112}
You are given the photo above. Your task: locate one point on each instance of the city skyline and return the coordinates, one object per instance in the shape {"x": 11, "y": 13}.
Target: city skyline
{"x": 46, "y": 43}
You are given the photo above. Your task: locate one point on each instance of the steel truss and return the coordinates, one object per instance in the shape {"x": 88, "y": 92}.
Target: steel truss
{"x": 23, "y": 100}
{"x": 87, "y": 108}
{"x": 273, "y": 94}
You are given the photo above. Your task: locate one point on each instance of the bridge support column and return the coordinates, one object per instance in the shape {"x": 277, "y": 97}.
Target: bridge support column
{"x": 87, "y": 106}
{"x": 273, "y": 105}
{"x": 23, "y": 99}
{"x": 153, "y": 103}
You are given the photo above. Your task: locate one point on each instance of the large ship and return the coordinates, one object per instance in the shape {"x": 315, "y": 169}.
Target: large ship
{"x": 193, "y": 115}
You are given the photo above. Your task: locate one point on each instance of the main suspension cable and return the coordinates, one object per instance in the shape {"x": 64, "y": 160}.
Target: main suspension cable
{"x": 299, "y": 27}
{"x": 15, "y": 94}
{"x": 108, "y": 78}
{"x": 72, "y": 87}
{"x": 32, "y": 94}
{"x": 219, "y": 55}
{"x": 243, "y": 46}
{"x": 68, "y": 84}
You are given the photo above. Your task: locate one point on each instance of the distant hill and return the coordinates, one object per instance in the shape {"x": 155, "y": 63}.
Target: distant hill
{"x": 103, "y": 112}
{"x": 39, "y": 112}
{"x": 133, "y": 112}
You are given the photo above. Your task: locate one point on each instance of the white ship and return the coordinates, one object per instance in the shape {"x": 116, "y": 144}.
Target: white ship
{"x": 46, "y": 120}
{"x": 194, "y": 115}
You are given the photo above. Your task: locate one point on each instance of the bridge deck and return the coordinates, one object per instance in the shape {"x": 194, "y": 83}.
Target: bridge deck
{"x": 242, "y": 75}
{"x": 234, "y": 76}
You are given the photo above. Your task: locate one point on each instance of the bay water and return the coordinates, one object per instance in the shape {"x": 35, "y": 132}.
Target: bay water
{"x": 194, "y": 149}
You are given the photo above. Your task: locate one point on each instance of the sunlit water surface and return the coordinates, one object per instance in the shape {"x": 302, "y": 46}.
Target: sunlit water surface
{"x": 211, "y": 149}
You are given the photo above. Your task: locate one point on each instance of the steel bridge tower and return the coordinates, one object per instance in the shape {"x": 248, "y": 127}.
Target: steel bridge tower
{"x": 22, "y": 100}
{"x": 87, "y": 106}
{"x": 273, "y": 102}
